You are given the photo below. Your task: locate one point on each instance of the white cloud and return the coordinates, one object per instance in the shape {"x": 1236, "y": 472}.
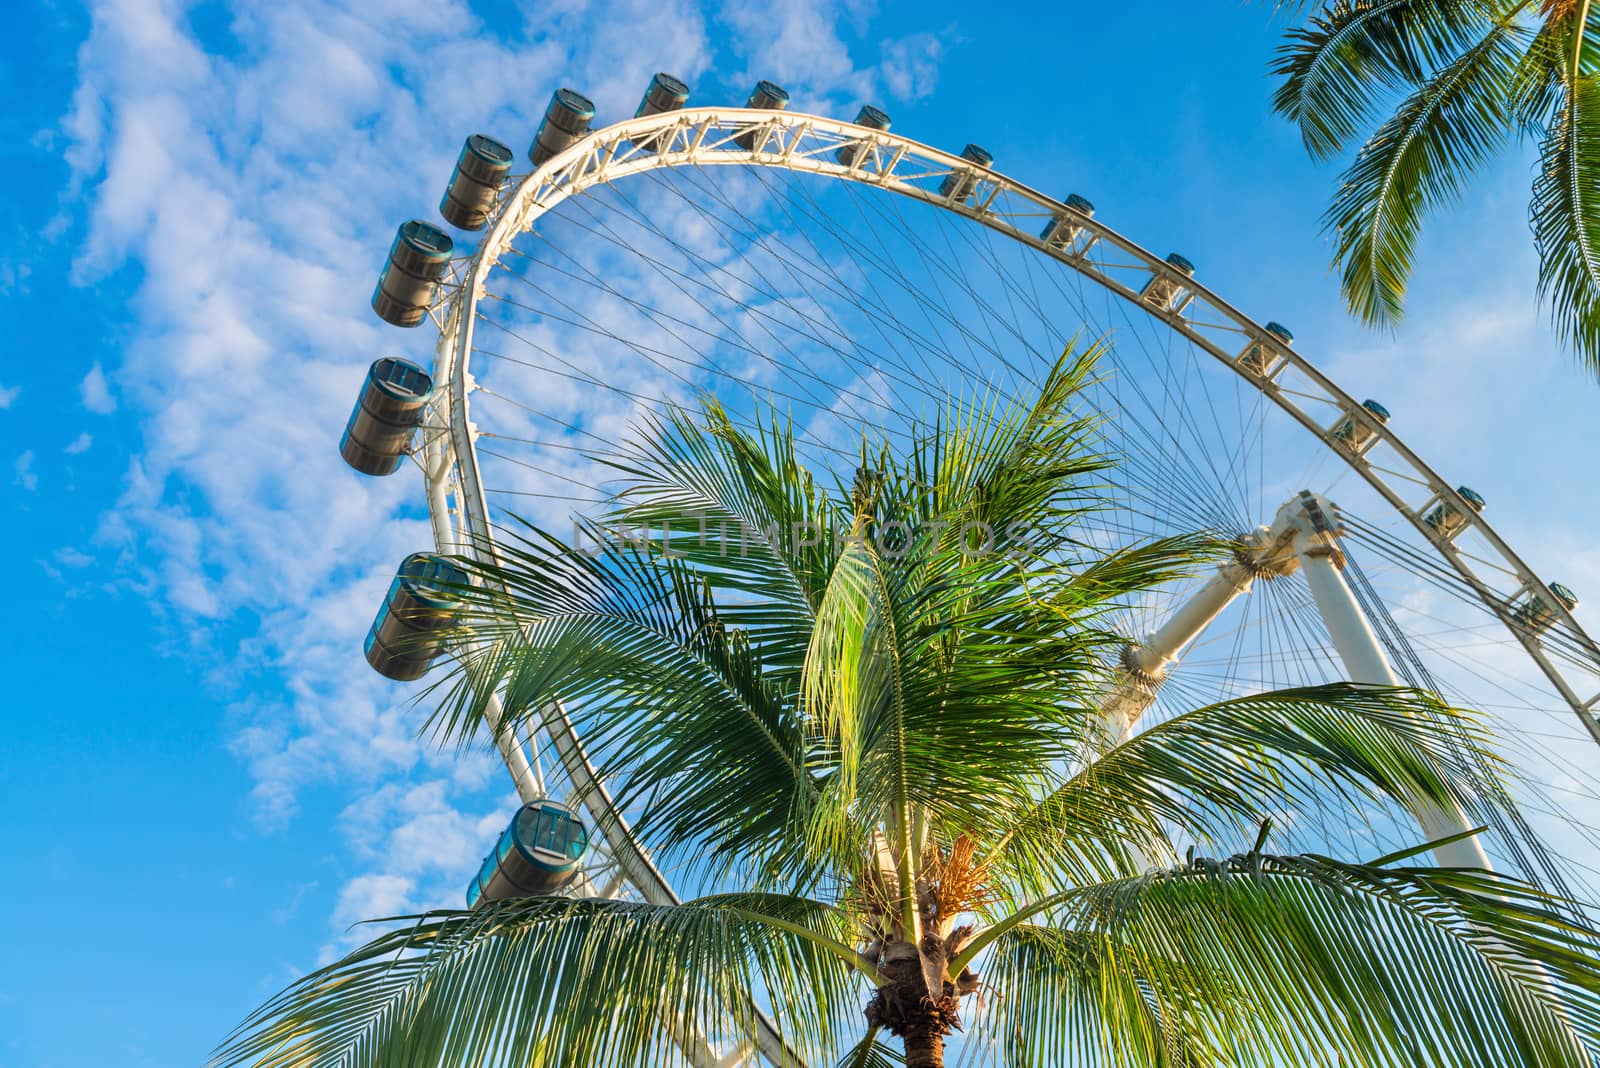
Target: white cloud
{"x": 258, "y": 192}
{"x": 286, "y": 912}
{"x": 70, "y": 557}
{"x": 8, "y": 396}
{"x": 369, "y": 897}
{"x": 910, "y": 66}
{"x": 23, "y": 472}
{"x": 14, "y": 278}
{"x": 79, "y": 444}
{"x": 96, "y": 392}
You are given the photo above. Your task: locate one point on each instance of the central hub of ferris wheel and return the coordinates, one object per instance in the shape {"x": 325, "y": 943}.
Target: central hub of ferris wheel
{"x": 1304, "y": 533}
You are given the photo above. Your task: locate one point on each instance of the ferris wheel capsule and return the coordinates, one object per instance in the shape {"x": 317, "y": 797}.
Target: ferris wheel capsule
{"x": 537, "y": 854}
{"x": 1258, "y": 357}
{"x": 664, "y": 93}
{"x": 1164, "y": 291}
{"x": 386, "y": 416}
{"x": 1537, "y": 614}
{"x": 481, "y": 170}
{"x": 958, "y": 186}
{"x": 566, "y": 121}
{"x": 407, "y": 633}
{"x": 873, "y": 119}
{"x": 766, "y": 96}
{"x": 1061, "y": 230}
{"x": 1448, "y": 520}
{"x": 1356, "y": 434}
{"x": 410, "y": 279}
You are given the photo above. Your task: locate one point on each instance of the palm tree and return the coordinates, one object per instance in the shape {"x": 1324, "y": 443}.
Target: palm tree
{"x": 1470, "y": 77}
{"x": 874, "y": 734}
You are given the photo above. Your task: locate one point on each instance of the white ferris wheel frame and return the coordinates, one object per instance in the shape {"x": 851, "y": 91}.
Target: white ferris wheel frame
{"x": 796, "y": 141}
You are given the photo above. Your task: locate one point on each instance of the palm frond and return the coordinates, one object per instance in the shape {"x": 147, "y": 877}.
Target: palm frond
{"x": 1062, "y": 997}
{"x": 931, "y": 698}
{"x": 956, "y": 698}
{"x": 851, "y": 678}
{"x": 1287, "y": 960}
{"x": 1566, "y": 218}
{"x": 555, "y": 982}
{"x": 871, "y": 1053}
{"x": 1354, "y": 54}
{"x": 676, "y": 709}
{"x": 1414, "y": 163}
{"x": 740, "y": 508}
{"x": 1215, "y": 771}
{"x": 1019, "y": 471}
{"x": 1541, "y": 76}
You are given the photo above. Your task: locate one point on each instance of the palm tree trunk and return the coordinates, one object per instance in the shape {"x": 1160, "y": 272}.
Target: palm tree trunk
{"x": 924, "y": 1051}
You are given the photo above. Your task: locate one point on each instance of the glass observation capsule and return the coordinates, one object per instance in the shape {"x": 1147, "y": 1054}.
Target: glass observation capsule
{"x": 408, "y": 631}
{"x": 566, "y": 120}
{"x": 1447, "y": 520}
{"x": 1063, "y": 229}
{"x": 386, "y": 416}
{"x": 873, "y": 119}
{"x": 1538, "y": 615}
{"x": 538, "y": 854}
{"x": 665, "y": 93}
{"x": 481, "y": 170}
{"x": 410, "y": 279}
{"x": 1356, "y": 434}
{"x": 1165, "y": 292}
{"x": 1258, "y": 357}
{"x": 767, "y": 96}
{"x": 958, "y": 186}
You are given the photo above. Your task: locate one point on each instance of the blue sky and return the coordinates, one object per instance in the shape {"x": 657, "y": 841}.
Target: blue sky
{"x": 202, "y": 784}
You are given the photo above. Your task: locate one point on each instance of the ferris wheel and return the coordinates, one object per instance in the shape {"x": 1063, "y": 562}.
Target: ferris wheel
{"x": 859, "y": 279}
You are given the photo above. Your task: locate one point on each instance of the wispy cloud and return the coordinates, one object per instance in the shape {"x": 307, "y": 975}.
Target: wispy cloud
{"x": 13, "y": 278}
{"x": 95, "y": 392}
{"x": 70, "y": 557}
{"x": 9, "y": 395}
{"x": 258, "y": 190}
{"x": 910, "y": 67}
{"x": 23, "y": 473}
{"x": 80, "y": 444}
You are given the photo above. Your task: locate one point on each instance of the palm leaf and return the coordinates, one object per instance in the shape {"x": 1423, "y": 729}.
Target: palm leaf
{"x": 1351, "y": 56}
{"x": 1416, "y": 162}
{"x": 871, "y": 1053}
{"x": 677, "y": 711}
{"x": 1066, "y": 997}
{"x": 555, "y": 982}
{"x": 1006, "y": 466}
{"x": 1566, "y": 218}
{"x": 1215, "y": 771}
{"x": 1285, "y": 960}
{"x": 741, "y": 509}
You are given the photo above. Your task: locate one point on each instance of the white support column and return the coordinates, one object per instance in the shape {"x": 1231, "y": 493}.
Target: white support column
{"x": 439, "y": 515}
{"x": 1353, "y": 637}
{"x": 1363, "y": 659}
{"x": 530, "y": 784}
{"x": 1146, "y": 664}
{"x": 1170, "y": 639}
{"x": 741, "y": 1054}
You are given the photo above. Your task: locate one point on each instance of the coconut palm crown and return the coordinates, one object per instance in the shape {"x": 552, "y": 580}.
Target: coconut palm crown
{"x": 1465, "y": 79}
{"x": 865, "y": 717}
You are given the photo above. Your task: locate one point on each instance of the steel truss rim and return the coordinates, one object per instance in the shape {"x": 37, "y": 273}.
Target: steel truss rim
{"x": 798, "y": 141}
